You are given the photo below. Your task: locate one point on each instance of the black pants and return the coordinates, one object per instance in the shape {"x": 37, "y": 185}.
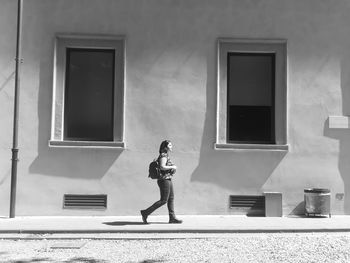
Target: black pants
{"x": 166, "y": 197}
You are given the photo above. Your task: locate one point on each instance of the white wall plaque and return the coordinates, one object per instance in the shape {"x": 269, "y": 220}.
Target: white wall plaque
{"x": 339, "y": 122}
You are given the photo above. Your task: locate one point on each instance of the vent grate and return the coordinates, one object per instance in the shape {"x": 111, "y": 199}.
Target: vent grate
{"x": 74, "y": 201}
{"x": 249, "y": 204}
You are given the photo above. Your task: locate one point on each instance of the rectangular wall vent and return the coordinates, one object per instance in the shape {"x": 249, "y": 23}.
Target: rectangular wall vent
{"x": 252, "y": 205}
{"x": 74, "y": 201}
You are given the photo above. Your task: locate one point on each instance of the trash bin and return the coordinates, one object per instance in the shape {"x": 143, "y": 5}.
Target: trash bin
{"x": 317, "y": 202}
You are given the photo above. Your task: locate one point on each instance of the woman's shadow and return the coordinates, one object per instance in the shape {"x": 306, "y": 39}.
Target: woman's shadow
{"x": 123, "y": 223}
{"x": 131, "y": 223}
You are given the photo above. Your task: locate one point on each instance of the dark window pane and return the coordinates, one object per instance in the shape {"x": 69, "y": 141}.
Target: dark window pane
{"x": 250, "y": 124}
{"x": 250, "y": 97}
{"x": 89, "y": 95}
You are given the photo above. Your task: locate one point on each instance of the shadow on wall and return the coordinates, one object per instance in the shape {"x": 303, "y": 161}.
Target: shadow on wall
{"x": 7, "y": 81}
{"x": 234, "y": 170}
{"x": 299, "y": 210}
{"x": 343, "y": 135}
{"x": 64, "y": 162}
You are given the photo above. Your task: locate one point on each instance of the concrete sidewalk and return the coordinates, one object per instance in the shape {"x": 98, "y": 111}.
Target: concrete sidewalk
{"x": 159, "y": 224}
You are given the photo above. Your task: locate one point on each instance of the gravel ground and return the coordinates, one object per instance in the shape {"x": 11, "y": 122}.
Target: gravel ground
{"x": 278, "y": 247}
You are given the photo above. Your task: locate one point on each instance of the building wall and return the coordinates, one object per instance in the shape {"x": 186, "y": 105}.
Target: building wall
{"x": 171, "y": 94}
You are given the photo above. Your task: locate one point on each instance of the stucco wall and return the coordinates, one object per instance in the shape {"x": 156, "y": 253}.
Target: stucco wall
{"x": 171, "y": 93}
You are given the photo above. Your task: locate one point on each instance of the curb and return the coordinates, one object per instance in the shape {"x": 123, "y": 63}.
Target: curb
{"x": 147, "y": 236}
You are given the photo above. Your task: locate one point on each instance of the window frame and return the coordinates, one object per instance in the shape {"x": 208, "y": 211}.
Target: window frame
{"x": 62, "y": 43}
{"x": 259, "y": 46}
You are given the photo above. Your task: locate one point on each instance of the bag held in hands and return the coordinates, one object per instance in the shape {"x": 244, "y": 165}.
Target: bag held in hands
{"x": 153, "y": 170}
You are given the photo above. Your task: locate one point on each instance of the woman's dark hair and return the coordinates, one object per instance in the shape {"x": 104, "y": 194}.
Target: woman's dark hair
{"x": 164, "y": 146}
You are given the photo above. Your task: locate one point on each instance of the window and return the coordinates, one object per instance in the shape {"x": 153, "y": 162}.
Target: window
{"x": 250, "y": 104}
{"x": 251, "y": 108}
{"x": 88, "y": 96}
{"x": 88, "y": 108}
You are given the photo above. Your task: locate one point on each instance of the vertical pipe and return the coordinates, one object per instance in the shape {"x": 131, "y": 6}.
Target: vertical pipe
{"x": 15, "y": 114}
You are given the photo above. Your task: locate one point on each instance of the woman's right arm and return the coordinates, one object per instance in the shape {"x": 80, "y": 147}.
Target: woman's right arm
{"x": 163, "y": 166}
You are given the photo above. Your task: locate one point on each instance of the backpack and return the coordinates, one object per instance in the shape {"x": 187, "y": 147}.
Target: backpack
{"x": 153, "y": 169}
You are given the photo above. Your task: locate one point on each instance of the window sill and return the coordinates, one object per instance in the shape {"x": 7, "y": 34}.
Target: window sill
{"x": 254, "y": 147}
{"x": 87, "y": 144}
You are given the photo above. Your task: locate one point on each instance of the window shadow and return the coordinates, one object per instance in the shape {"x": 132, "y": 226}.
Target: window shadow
{"x": 232, "y": 170}
{"x": 343, "y": 135}
{"x": 84, "y": 163}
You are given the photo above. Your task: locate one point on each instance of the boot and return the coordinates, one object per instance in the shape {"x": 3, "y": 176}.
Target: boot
{"x": 174, "y": 220}
{"x": 144, "y": 216}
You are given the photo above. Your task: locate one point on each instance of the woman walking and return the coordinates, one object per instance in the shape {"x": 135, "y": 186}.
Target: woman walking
{"x": 167, "y": 170}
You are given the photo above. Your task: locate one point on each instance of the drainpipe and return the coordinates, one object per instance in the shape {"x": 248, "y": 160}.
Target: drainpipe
{"x": 15, "y": 114}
